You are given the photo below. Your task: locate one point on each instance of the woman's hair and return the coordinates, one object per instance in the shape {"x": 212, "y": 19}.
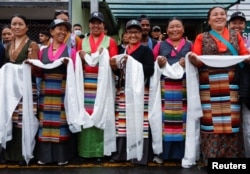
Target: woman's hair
{"x": 6, "y": 26}
{"x": 175, "y": 18}
{"x": 20, "y": 16}
{"x": 58, "y": 12}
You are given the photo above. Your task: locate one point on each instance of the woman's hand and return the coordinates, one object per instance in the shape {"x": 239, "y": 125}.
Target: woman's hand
{"x": 82, "y": 54}
{"x": 113, "y": 64}
{"x": 65, "y": 62}
{"x": 161, "y": 61}
{"x": 182, "y": 62}
{"x": 247, "y": 60}
{"x": 28, "y": 62}
{"x": 194, "y": 60}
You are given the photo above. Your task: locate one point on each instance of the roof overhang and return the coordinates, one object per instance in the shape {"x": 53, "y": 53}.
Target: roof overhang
{"x": 162, "y": 9}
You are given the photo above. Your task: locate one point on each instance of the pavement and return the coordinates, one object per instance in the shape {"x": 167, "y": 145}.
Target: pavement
{"x": 169, "y": 167}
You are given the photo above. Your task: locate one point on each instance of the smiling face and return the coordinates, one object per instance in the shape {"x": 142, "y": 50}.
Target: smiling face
{"x": 217, "y": 19}
{"x": 175, "y": 30}
{"x": 134, "y": 35}
{"x": 237, "y": 24}
{"x": 96, "y": 27}
{"x": 59, "y": 33}
{"x": 18, "y": 26}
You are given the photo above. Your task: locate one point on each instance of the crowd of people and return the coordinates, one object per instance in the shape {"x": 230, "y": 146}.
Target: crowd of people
{"x": 138, "y": 101}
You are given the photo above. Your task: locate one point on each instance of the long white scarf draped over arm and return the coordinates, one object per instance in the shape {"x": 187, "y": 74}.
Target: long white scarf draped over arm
{"x": 194, "y": 109}
{"x": 71, "y": 104}
{"x": 134, "y": 96}
{"x": 16, "y": 84}
{"x": 103, "y": 115}
{"x": 134, "y": 92}
{"x": 155, "y": 115}
{"x": 10, "y": 95}
{"x": 30, "y": 122}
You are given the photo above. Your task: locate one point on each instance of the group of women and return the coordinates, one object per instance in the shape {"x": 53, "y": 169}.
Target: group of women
{"x": 148, "y": 113}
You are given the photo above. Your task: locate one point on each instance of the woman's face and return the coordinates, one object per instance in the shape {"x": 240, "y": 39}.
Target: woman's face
{"x": 7, "y": 35}
{"x": 175, "y": 30}
{"x": 18, "y": 27}
{"x": 59, "y": 33}
{"x": 237, "y": 24}
{"x": 217, "y": 19}
{"x": 134, "y": 35}
{"x": 43, "y": 38}
{"x": 96, "y": 27}
{"x": 125, "y": 38}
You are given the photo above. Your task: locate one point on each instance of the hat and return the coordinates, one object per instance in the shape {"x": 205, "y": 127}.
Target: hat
{"x": 133, "y": 23}
{"x": 238, "y": 14}
{"x": 57, "y": 22}
{"x": 96, "y": 15}
{"x": 156, "y": 27}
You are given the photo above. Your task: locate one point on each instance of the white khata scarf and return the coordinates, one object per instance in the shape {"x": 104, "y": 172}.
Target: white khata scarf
{"x": 70, "y": 100}
{"x": 194, "y": 109}
{"x": 134, "y": 96}
{"x": 103, "y": 116}
{"x": 15, "y": 83}
{"x": 155, "y": 115}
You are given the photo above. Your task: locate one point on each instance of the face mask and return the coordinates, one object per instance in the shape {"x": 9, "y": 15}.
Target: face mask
{"x": 78, "y": 32}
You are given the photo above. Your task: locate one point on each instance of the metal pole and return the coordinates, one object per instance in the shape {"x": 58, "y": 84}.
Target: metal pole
{"x": 70, "y": 11}
{"x": 94, "y": 5}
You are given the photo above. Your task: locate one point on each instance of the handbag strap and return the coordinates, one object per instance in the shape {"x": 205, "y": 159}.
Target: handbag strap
{"x": 228, "y": 44}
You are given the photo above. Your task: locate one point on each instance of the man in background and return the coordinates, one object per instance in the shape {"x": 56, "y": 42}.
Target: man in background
{"x": 156, "y": 33}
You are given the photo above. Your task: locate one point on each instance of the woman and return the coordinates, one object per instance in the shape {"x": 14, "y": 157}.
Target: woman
{"x": 72, "y": 40}
{"x": 20, "y": 49}
{"x": 54, "y": 137}
{"x": 91, "y": 139}
{"x": 7, "y": 35}
{"x": 124, "y": 43}
{"x": 144, "y": 56}
{"x": 219, "y": 90}
{"x": 237, "y": 22}
{"x": 174, "y": 103}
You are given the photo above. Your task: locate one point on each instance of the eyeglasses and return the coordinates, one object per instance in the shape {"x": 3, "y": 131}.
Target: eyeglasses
{"x": 134, "y": 32}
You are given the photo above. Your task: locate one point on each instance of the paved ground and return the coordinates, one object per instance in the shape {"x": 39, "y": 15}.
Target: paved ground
{"x": 102, "y": 168}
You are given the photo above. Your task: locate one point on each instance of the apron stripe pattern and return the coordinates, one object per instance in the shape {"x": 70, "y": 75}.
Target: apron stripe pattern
{"x": 53, "y": 123}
